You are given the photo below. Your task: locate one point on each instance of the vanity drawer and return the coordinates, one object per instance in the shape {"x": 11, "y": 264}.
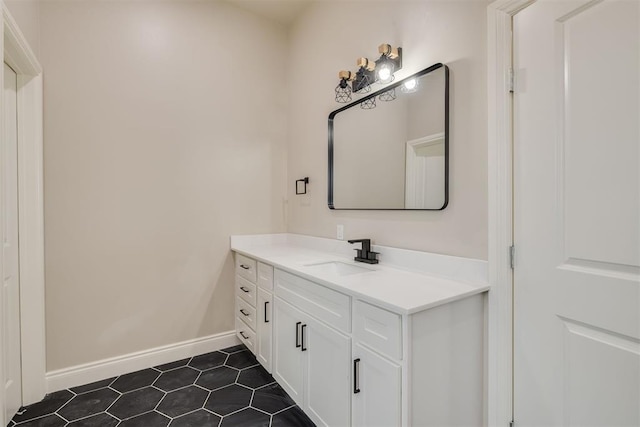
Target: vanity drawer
{"x": 379, "y": 329}
{"x": 246, "y": 290}
{"x": 321, "y": 302}
{"x": 246, "y": 267}
{"x": 245, "y": 312}
{"x": 246, "y": 335}
{"x": 265, "y": 276}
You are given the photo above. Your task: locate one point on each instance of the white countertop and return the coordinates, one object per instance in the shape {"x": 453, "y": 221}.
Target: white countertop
{"x": 386, "y": 285}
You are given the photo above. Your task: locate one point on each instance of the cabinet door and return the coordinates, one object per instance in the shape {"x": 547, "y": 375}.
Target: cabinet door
{"x": 378, "y": 402}
{"x": 328, "y": 375}
{"x": 288, "y": 359}
{"x": 264, "y": 322}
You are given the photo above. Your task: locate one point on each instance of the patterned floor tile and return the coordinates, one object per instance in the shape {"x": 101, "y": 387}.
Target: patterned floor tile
{"x": 51, "y": 403}
{"x": 136, "y": 402}
{"x": 229, "y": 399}
{"x": 86, "y": 404}
{"x": 101, "y": 420}
{"x": 199, "y": 418}
{"x": 182, "y": 401}
{"x": 226, "y": 388}
{"x": 176, "y": 378}
{"x": 246, "y": 418}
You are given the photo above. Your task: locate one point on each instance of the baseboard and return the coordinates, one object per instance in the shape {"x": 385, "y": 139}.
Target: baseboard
{"x": 114, "y": 366}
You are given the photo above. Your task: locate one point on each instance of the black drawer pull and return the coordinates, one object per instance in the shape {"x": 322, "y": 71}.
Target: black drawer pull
{"x": 243, "y": 335}
{"x": 265, "y": 312}
{"x": 244, "y": 312}
{"x": 356, "y": 375}
{"x": 246, "y": 267}
{"x": 243, "y": 289}
{"x": 302, "y": 329}
{"x": 298, "y": 334}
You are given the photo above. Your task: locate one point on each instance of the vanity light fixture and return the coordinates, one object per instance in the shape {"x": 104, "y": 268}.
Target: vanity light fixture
{"x": 369, "y": 72}
{"x": 343, "y": 90}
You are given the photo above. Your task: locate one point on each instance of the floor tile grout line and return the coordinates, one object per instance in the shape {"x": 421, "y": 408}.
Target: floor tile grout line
{"x": 285, "y": 409}
{"x": 114, "y": 402}
{"x": 213, "y": 412}
{"x": 259, "y": 410}
{"x": 36, "y": 418}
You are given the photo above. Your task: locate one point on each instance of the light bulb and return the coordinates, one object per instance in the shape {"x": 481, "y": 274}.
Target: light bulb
{"x": 385, "y": 73}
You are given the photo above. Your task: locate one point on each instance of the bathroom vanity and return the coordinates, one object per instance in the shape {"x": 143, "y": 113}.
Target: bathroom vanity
{"x": 400, "y": 343}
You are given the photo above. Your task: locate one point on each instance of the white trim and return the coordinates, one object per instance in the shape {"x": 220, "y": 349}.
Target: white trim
{"x": 119, "y": 365}
{"x": 500, "y": 144}
{"x": 17, "y": 53}
{"x": 411, "y": 166}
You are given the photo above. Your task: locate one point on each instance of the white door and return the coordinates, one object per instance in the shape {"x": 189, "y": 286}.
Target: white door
{"x": 379, "y": 384}
{"x": 288, "y": 358}
{"x": 11, "y": 281}
{"x": 577, "y": 214}
{"x": 328, "y": 374}
{"x": 264, "y": 324}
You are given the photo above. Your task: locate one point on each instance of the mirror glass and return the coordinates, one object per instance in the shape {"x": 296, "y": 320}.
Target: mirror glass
{"x": 394, "y": 156}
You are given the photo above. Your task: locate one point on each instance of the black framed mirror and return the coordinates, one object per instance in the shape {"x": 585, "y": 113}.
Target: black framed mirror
{"x": 394, "y": 156}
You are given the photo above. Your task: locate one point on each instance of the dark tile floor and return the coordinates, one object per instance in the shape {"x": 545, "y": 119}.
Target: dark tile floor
{"x": 224, "y": 388}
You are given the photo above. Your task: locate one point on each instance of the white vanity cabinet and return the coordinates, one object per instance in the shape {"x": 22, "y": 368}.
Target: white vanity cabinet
{"x": 264, "y": 327}
{"x": 377, "y": 367}
{"x": 254, "y": 307}
{"x": 311, "y": 358}
{"x": 377, "y": 389}
{"x": 351, "y": 360}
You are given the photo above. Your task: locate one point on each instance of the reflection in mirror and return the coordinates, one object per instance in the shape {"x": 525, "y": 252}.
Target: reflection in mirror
{"x": 394, "y": 156}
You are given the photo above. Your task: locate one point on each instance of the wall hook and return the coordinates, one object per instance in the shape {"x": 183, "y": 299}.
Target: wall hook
{"x": 301, "y": 185}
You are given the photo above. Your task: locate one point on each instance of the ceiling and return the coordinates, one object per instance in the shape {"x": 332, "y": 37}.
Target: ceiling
{"x": 283, "y": 11}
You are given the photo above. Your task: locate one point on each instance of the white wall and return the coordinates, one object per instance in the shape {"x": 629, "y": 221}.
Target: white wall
{"x": 27, "y": 16}
{"x": 329, "y": 37}
{"x": 165, "y": 128}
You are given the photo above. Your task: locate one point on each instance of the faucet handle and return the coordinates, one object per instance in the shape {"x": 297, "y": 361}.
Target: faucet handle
{"x": 366, "y": 244}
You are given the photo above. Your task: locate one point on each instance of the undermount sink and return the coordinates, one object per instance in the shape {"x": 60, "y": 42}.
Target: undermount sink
{"x": 337, "y": 268}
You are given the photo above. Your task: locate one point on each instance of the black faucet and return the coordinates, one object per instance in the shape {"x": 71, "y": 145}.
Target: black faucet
{"x": 365, "y": 254}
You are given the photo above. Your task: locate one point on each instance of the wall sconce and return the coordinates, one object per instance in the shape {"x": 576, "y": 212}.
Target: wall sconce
{"x": 343, "y": 90}
{"x": 380, "y": 71}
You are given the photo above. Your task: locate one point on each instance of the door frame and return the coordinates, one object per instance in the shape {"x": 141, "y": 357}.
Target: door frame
{"x": 19, "y": 56}
{"x": 500, "y": 180}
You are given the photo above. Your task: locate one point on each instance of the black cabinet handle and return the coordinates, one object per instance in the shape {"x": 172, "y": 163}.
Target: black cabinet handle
{"x": 302, "y": 329}
{"x": 246, "y": 267}
{"x": 356, "y": 376}
{"x": 243, "y": 289}
{"x": 243, "y": 335}
{"x": 298, "y": 334}
{"x": 265, "y": 312}
{"x": 244, "y": 312}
